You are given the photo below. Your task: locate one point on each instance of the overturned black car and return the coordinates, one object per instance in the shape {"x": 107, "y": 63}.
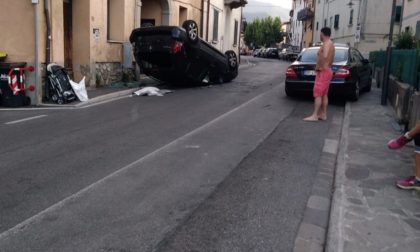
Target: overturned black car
{"x": 177, "y": 55}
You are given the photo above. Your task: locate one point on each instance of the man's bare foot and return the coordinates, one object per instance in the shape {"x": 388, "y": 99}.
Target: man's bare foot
{"x": 322, "y": 118}
{"x": 311, "y": 119}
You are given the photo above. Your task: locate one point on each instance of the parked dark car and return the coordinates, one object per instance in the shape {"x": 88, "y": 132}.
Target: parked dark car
{"x": 352, "y": 73}
{"x": 283, "y": 54}
{"x": 256, "y": 52}
{"x": 293, "y": 52}
{"x": 273, "y": 53}
{"x": 177, "y": 55}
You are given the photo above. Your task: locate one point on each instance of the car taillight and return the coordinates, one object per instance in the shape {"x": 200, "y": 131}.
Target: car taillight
{"x": 177, "y": 47}
{"x": 290, "y": 73}
{"x": 343, "y": 72}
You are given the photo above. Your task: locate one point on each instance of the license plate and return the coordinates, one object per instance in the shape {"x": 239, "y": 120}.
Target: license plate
{"x": 309, "y": 73}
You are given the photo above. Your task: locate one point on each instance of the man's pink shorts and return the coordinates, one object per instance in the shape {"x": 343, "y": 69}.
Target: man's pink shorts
{"x": 322, "y": 82}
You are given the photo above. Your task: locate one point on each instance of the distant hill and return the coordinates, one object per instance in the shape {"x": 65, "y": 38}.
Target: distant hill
{"x": 251, "y": 11}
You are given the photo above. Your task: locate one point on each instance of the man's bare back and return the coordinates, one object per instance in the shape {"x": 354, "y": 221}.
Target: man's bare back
{"x": 326, "y": 56}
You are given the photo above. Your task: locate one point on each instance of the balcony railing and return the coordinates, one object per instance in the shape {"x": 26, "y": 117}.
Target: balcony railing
{"x": 305, "y": 14}
{"x": 236, "y": 3}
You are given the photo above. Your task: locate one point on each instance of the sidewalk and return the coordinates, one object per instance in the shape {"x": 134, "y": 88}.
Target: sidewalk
{"x": 369, "y": 213}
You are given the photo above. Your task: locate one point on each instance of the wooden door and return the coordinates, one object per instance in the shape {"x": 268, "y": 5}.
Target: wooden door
{"x": 68, "y": 38}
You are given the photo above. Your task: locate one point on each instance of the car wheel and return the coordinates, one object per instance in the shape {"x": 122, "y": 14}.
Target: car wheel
{"x": 356, "y": 92}
{"x": 232, "y": 60}
{"x": 288, "y": 92}
{"x": 191, "y": 28}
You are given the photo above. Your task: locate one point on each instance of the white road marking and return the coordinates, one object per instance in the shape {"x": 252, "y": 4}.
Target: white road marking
{"x": 38, "y": 217}
{"x": 25, "y": 119}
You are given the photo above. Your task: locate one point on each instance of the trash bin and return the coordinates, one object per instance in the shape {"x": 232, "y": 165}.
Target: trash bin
{"x": 8, "y": 98}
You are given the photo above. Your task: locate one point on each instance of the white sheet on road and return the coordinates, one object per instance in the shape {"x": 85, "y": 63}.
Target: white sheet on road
{"x": 151, "y": 91}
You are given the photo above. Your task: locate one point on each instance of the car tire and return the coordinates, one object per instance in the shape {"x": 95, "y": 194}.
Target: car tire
{"x": 232, "y": 60}
{"x": 191, "y": 28}
{"x": 289, "y": 93}
{"x": 233, "y": 66}
{"x": 356, "y": 92}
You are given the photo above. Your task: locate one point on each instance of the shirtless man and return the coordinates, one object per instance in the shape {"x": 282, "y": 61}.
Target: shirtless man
{"x": 324, "y": 74}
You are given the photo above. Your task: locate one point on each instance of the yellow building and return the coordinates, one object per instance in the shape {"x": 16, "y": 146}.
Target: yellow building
{"x": 89, "y": 37}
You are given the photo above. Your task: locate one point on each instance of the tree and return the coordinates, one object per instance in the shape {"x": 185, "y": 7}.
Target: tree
{"x": 406, "y": 40}
{"x": 263, "y": 32}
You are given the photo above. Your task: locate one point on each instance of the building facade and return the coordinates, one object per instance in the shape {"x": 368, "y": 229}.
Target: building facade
{"x": 363, "y": 24}
{"x": 302, "y": 23}
{"x": 411, "y": 17}
{"x": 91, "y": 37}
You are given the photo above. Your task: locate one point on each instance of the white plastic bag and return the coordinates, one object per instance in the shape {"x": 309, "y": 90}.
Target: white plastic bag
{"x": 80, "y": 89}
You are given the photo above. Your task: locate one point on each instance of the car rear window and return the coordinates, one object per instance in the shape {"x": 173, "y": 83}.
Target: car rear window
{"x": 309, "y": 55}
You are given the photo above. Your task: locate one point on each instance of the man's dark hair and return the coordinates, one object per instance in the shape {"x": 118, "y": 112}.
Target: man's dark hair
{"x": 326, "y": 31}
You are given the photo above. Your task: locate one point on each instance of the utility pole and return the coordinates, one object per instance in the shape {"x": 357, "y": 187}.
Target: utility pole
{"x": 388, "y": 57}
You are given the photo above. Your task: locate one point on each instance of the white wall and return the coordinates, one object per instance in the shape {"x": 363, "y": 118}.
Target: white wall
{"x": 411, "y": 15}
{"x": 297, "y": 26}
{"x": 373, "y": 16}
{"x": 226, "y": 24}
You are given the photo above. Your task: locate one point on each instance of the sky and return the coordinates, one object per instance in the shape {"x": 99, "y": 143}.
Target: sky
{"x": 263, "y": 8}
{"x": 283, "y": 3}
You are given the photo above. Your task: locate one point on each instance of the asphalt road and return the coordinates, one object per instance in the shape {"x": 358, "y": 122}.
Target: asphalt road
{"x": 190, "y": 171}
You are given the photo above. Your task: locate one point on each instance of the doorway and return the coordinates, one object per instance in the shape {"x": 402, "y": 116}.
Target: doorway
{"x": 183, "y": 15}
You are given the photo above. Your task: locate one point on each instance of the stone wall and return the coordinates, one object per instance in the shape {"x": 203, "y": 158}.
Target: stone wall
{"x": 414, "y": 110}
{"x": 107, "y": 73}
{"x": 399, "y": 95}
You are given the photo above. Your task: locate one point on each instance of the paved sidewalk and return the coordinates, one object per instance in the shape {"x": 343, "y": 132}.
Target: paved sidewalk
{"x": 369, "y": 213}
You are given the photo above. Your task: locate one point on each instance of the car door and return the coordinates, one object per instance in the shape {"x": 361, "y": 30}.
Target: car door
{"x": 362, "y": 68}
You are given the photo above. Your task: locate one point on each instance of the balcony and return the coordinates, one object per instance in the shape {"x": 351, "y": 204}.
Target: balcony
{"x": 236, "y": 3}
{"x": 305, "y": 14}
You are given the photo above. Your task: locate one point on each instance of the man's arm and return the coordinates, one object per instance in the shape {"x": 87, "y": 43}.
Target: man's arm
{"x": 326, "y": 51}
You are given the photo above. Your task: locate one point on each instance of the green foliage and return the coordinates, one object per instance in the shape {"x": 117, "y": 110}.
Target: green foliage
{"x": 406, "y": 40}
{"x": 263, "y": 32}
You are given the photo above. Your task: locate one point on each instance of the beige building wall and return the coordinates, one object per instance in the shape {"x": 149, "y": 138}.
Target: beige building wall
{"x": 17, "y": 30}
{"x": 193, "y": 11}
{"x": 92, "y": 45}
{"x": 151, "y": 9}
{"x": 81, "y": 38}
{"x": 411, "y": 16}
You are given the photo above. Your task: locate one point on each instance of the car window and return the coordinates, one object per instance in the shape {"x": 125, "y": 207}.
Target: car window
{"x": 341, "y": 55}
{"x": 310, "y": 55}
{"x": 355, "y": 57}
{"x": 359, "y": 54}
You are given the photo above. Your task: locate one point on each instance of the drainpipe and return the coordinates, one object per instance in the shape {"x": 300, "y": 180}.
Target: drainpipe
{"x": 240, "y": 33}
{"x": 208, "y": 20}
{"x": 48, "y": 34}
{"x": 38, "y": 88}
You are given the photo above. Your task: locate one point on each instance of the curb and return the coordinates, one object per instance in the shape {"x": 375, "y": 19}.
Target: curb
{"x": 333, "y": 241}
{"x": 314, "y": 229}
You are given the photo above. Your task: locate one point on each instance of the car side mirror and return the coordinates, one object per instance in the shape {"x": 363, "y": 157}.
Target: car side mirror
{"x": 365, "y": 61}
